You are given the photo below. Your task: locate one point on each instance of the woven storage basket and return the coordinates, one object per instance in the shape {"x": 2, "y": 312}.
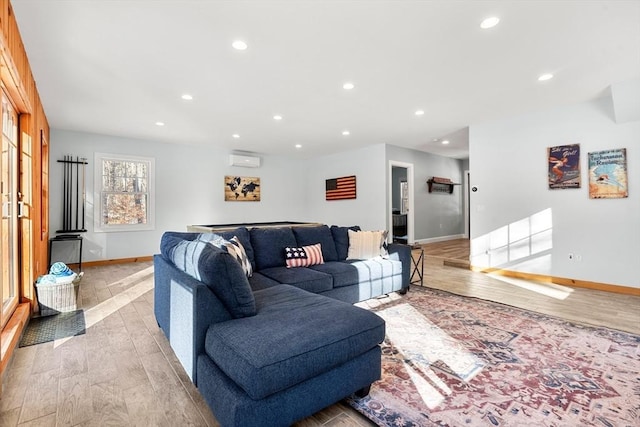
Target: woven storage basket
{"x": 54, "y": 298}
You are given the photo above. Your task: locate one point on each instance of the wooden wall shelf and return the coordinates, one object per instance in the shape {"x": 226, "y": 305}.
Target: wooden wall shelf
{"x": 437, "y": 184}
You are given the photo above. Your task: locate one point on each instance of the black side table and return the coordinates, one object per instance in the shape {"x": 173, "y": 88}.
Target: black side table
{"x": 67, "y": 238}
{"x": 418, "y": 265}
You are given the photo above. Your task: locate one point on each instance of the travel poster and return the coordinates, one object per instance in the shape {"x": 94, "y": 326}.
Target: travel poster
{"x": 608, "y": 174}
{"x": 241, "y": 189}
{"x": 564, "y": 166}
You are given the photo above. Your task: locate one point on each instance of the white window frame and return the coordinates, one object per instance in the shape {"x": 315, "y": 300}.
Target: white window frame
{"x": 97, "y": 184}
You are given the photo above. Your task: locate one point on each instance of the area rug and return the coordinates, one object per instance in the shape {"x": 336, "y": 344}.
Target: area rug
{"x": 49, "y": 328}
{"x": 450, "y": 360}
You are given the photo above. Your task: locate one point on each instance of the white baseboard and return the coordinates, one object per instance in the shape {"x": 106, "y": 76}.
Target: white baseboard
{"x": 439, "y": 239}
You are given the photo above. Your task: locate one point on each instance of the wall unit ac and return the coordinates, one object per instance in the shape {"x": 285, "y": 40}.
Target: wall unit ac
{"x": 244, "y": 161}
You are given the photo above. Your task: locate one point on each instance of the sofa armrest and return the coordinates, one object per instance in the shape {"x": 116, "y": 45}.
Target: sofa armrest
{"x": 403, "y": 252}
{"x": 184, "y": 308}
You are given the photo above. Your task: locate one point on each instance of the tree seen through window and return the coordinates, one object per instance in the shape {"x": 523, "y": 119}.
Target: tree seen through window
{"x": 125, "y": 192}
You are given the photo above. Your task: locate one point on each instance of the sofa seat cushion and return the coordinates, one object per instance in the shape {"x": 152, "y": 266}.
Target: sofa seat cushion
{"x": 258, "y": 281}
{"x": 301, "y": 277}
{"x": 343, "y": 274}
{"x": 296, "y": 335}
{"x": 376, "y": 268}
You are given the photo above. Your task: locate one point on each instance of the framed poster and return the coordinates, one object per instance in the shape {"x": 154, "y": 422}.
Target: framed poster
{"x": 241, "y": 189}
{"x": 608, "y": 174}
{"x": 564, "y": 166}
{"x": 340, "y": 188}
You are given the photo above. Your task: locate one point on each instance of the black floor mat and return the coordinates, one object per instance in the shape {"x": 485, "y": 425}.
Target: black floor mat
{"x": 49, "y": 328}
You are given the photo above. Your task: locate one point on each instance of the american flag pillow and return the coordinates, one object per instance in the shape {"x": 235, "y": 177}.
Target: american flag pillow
{"x": 304, "y": 256}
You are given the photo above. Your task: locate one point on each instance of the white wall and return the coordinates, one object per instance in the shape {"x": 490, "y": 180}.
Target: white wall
{"x": 189, "y": 190}
{"x": 368, "y": 209}
{"x": 508, "y": 163}
{"x": 435, "y": 214}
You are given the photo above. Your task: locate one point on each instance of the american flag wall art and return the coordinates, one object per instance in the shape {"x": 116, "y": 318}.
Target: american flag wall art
{"x": 341, "y": 188}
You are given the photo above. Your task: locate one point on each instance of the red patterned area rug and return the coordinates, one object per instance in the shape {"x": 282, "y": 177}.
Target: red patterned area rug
{"x": 450, "y": 360}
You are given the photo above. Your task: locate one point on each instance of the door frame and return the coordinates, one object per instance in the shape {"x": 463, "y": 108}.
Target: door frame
{"x": 410, "y": 215}
{"x": 466, "y": 204}
{"x": 8, "y": 303}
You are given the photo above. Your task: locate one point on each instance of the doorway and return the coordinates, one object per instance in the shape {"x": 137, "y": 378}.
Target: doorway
{"x": 400, "y": 205}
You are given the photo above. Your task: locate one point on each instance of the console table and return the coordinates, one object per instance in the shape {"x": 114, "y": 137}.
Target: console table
{"x": 76, "y": 238}
{"x": 418, "y": 265}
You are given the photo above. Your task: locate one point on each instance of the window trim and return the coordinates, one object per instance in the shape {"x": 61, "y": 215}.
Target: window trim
{"x": 97, "y": 184}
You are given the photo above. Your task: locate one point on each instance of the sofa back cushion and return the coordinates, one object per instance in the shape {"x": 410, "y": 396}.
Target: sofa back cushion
{"x": 233, "y": 246}
{"x": 307, "y": 236}
{"x": 341, "y": 240}
{"x": 268, "y": 246}
{"x": 214, "y": 267}
{"x": 242, "y": 233}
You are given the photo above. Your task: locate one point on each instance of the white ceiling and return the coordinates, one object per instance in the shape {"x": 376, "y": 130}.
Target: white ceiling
{"x": 118, "y": 67}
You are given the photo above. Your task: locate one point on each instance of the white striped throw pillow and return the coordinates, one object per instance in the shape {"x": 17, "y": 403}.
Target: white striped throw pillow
{"x": 367, "y": 244}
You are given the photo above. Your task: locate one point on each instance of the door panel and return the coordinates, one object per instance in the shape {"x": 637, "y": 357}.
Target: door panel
{"x": 9, "y": 190}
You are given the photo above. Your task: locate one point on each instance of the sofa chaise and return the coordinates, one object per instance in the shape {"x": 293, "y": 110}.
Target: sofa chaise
{"x": 285, "y": 342}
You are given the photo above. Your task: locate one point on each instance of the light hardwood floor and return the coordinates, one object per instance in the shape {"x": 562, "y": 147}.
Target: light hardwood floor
{"x": 123, "y": 372}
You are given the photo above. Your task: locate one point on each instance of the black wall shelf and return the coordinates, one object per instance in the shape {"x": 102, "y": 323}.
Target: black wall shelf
{"x": 440, "y": 185}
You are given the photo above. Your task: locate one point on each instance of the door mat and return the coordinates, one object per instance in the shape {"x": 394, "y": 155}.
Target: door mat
{"x": 49, "y": 328}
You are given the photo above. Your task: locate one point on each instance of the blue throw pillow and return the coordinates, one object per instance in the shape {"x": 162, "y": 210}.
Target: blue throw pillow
{"x": 214, "y": 267}
{"x": 233, "y": 246}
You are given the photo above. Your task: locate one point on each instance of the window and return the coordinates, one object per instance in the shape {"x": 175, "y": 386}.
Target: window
{"x": 124, "y": 193}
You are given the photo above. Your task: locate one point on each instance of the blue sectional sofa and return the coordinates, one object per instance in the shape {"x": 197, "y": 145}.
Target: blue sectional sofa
{"x": 284, "y": 343}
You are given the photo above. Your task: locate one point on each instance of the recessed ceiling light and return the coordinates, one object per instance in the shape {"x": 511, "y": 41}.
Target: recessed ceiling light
{"x": 346, "y": 133}
{"x": 545, "y": 77}
{"x": 348, "y": 86}
{"x": 187, "y": 97}
{"x": 419, "y": 112}
{"x": 277, "y": 117}
{"x": 489, "y": 22}
{"x": 445, "y": 142}
{"x": 239, "y": 45}
{"x": 235, "y": 135}
{"x": 159, "y": 123}
{"x": 298, "y": 146}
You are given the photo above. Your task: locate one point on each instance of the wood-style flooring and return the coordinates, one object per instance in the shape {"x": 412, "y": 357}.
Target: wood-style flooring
{"x": 122, "y": 372}
{"x": 450, "y": 250}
